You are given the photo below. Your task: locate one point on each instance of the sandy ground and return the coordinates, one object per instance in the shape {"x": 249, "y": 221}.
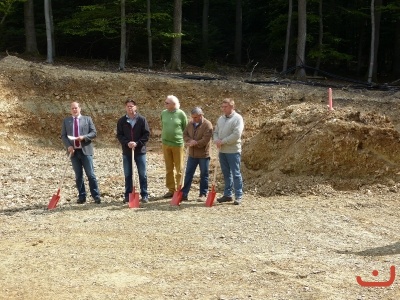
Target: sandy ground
{"x": 280, "y": 247}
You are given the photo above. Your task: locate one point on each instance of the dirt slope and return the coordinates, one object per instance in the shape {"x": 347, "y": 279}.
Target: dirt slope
{"x": 296, "y": 135}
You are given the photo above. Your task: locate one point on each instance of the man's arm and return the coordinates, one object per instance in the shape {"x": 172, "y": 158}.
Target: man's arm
{"x": 120, "y": 132}
{"x": 145, "y": 133}
{"x": 92, "y": 133}
{"x": 205, "y": 139}
{"x": 237, "y": 127}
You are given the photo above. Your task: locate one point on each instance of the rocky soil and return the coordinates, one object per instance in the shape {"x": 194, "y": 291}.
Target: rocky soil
{"x": 321, "y": 199}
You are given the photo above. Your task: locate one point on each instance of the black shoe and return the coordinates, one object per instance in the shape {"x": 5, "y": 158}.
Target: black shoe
{"x": 81, "y": 201}
{"x": 168, "y": 195}
{"x": 224, "y": 199}
{"x": 144, "y": 199}
{"x": 185, "y": 198}
{"x": 97, "y": 200}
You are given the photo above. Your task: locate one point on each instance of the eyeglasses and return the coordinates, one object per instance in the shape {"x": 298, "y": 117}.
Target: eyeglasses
{"x": 130, "y": 106}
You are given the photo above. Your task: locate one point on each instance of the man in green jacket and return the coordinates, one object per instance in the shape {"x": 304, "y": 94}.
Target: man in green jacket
{"x": 173, "y": 123}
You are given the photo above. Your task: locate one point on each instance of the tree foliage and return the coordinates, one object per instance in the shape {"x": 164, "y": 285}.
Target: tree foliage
{"x": 91, "y": 29}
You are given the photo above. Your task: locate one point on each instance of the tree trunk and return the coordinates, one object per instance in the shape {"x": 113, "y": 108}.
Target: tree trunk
{"x": 396, "y": 63}
{"x": 288, "y": 31}
{"x": 238, "y": 33}
{"x": 149, "y": 35}
{"x": 372, "y": 49}
{"x": 30, "y": 33}
{"x": 49, "y": 31}
{"x": 122, "y": 57}
{"x": 53, "y": 39}
{"x": 301, "y": 39}
{"x": 204, "y": 29}
{"x": 378, "y": 14}
{"x": 320, "y": 38}
{"x": 175, "y": 63}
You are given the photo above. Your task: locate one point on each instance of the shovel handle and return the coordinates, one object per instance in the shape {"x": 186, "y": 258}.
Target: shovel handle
{"x": 65, "y": 171}
{"x": 133, "y": 171}
{"x": 215, "y": 169}
{"x": 184, "y": 167}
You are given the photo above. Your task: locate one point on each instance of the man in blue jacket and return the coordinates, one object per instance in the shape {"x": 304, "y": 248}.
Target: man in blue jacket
{"x": 133, "y": 133}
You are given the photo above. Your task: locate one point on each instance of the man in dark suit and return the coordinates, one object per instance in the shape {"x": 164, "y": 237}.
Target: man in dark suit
{"x": 77, "y": 134}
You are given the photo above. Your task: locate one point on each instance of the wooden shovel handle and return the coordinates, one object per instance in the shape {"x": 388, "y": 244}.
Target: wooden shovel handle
{"x": 133, "y": 170}
{"x": 184, "y": 166}
{"x": 215, "y": 168}
{"x": 65, "y": 171}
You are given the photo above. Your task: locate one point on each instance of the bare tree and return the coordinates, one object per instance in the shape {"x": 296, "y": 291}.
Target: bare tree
{"x": 49, "y": 31}
{"x": 372, "y": 51}
{"x": 301, "y": 39}
{"x": 149, "y": 35}
{"x": 122, "y": 57}
{"x": 30, "y": 33}
{"x": 175, "y": 63}
{"x": 238, "y": 32}
{"x": 288, "y": 31}
{"x": 320, "y": 37}
{"x": 204, "y": 28}
{"x": 396, "y": 64}
{"x": 378, "y": 14}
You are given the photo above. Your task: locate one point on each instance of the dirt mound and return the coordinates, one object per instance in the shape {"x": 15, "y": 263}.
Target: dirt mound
{"x": 305, "y": 146}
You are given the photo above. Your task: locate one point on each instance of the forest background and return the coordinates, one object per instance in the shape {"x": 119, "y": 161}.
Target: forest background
{"x": 358, "y": 39}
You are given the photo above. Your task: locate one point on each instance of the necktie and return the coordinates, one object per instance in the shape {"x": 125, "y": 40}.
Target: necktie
{"x": 76, "y": 132}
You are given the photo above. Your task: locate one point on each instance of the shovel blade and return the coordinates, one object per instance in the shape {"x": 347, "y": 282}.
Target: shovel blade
{"x": 134, "y": 200}
{"x": 211, "y": 197}
{"x": 54, "y": 200}
{"x": 176, "y": 198}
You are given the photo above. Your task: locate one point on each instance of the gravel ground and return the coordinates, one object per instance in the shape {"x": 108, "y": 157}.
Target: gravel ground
{"x": 280, "y": 247}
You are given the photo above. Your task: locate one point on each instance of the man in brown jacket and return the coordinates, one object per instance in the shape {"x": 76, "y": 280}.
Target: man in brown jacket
{"x": 197, "y": 137}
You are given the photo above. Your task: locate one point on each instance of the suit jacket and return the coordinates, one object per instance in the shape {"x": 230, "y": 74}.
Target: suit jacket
{"x": 86, "y": 128}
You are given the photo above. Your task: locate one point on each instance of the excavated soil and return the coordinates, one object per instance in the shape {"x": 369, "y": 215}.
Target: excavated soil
{"x": 321, "y": 201}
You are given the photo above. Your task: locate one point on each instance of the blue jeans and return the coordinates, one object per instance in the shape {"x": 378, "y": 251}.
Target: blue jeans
{"x": 82, "y": 162}
{"x": 191, "y": 166}
{"x": 230, "y": 167}
{"x": 140, "y": 161}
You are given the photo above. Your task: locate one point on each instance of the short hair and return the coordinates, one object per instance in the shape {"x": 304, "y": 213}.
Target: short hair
{"x": 229, "y": 101}
{"x": 174, "y": 100}
{"x": 130, "y": 101}
{"x": 197, "y": 111}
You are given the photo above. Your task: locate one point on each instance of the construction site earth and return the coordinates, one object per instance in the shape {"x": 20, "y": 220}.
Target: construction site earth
{"x": 321, "y": 203}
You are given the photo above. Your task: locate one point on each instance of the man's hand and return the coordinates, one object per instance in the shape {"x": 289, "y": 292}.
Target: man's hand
{"x": 132, "y": 145}
{"x": 71, "y": 150}
{"x": 218, "y": 143}
{"x": 191, "y": 143}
